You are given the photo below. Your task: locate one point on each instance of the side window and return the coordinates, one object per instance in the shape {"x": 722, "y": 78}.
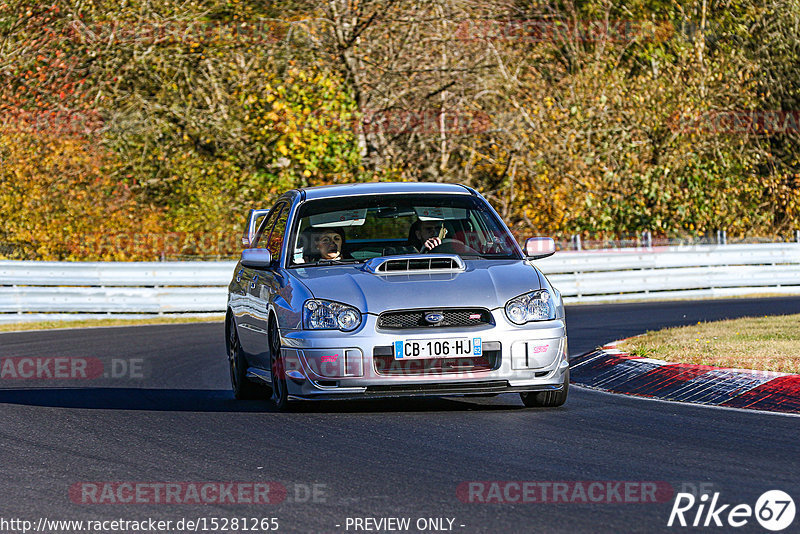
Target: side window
{"x": 275, "y": 241}
{"x": 266, "y": 225}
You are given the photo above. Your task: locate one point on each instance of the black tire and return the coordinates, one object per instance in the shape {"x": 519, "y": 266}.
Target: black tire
{"x": 243, "y": 389}
{"x": 547, "y": 399}
{"x": 280, "y": 393}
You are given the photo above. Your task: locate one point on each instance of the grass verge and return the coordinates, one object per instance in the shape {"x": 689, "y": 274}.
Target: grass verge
{"x": 53, "y": 325}
{"x": 769, "y": 343}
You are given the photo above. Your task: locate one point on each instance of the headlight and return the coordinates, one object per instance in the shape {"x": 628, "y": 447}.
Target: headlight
{"x": 326, "y": 315}
{"x": 534, "y": 306}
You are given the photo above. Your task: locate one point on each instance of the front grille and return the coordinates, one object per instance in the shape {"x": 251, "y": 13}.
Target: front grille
{"x": 462, "y": 317}
{"x": 386, "y": 365}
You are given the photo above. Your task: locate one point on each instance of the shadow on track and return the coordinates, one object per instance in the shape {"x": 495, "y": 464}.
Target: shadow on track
{"x": 218, "y": 400}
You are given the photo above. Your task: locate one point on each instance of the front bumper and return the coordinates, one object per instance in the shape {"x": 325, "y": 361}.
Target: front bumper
{"x": 329, "y": 364}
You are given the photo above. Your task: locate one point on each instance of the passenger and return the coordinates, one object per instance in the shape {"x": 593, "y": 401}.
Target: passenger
{"x": 323, "y": 244}
{"x": 424, "y": 235}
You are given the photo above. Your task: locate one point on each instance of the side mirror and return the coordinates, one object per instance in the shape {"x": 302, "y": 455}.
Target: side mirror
{"x": 256, "y": 258}
{"x": 253, "y": 218}
{"x": 537, "y": 248}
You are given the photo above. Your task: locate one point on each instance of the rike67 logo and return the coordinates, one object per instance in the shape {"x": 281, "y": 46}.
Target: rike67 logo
{"x": 774, "y": 510}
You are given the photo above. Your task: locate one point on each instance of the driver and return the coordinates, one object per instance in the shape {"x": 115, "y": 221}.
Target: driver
{"x": 427, "y": 234}
{"x": 324, "y": 244}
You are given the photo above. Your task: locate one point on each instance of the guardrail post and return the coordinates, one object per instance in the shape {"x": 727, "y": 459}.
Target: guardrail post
{"x": 722, "y": 238}
{"x": 797, "y": 236}
{"x": 576, "y": 242}
{"x": 647, "y": 237}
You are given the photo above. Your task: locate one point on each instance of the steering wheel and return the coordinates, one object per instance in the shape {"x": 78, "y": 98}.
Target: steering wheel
{"x": 453, "y": 246}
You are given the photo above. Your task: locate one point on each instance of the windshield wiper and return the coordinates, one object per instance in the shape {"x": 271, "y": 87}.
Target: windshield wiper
{"x": 337, "y": 262}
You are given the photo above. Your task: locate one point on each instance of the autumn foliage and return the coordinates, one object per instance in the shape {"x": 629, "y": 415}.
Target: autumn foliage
{"x": 145, "y": 130}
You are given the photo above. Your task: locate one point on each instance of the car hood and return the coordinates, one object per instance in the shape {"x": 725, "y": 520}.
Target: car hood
{"x": 484, "y": 283}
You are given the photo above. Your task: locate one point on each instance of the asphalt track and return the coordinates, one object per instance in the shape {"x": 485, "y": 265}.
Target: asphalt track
{"x": 177, "y": 421}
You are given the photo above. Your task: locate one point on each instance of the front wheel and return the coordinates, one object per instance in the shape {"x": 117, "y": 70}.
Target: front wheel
{"x": 280, "y": 393}
{"x": 547, "y": 399}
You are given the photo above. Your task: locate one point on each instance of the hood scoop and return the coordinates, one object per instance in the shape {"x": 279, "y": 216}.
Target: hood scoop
{"x": 415, "y": 263}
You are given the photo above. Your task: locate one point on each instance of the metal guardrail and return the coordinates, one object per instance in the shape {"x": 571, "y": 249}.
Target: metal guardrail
{"x": 34, "y": 291}
{"x": 37, "y": 291}
{"x": 675, "y": 272}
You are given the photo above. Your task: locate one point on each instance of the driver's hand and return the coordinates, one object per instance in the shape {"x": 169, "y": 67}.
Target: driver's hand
{"x": 432, "y": 243}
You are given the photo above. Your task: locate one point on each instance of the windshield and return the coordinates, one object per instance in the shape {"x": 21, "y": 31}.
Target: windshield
{"x": 355, "y": 229}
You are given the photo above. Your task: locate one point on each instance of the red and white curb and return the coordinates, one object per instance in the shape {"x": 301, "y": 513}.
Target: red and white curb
{"x": 612, "y": 370}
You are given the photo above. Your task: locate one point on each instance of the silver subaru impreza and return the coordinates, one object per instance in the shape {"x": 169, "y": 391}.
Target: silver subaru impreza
{"x": 392, "y": 289}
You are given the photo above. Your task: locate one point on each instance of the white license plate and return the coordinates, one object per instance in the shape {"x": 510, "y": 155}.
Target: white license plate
{"x": 438, "y": 348}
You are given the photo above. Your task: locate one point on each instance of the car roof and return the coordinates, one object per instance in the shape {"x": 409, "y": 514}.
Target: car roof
{"x": 383, "y": 188}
